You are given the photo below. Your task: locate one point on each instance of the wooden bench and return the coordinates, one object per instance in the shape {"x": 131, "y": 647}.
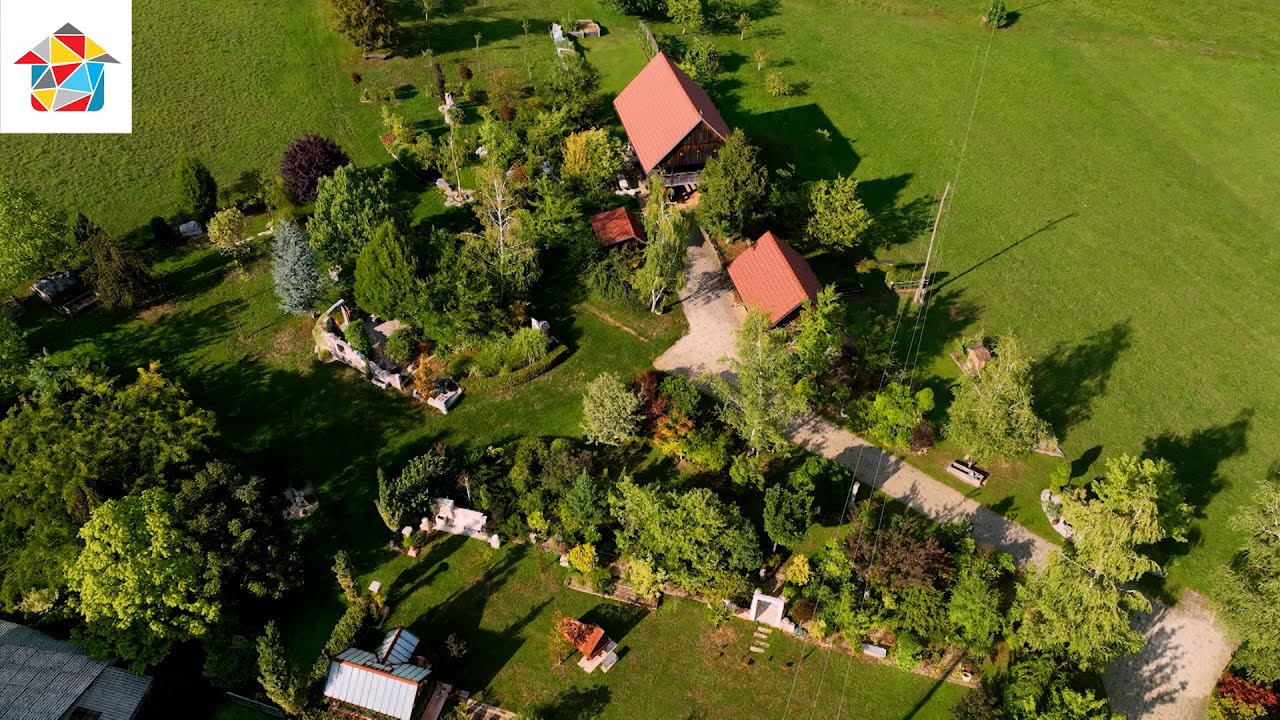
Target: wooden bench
{"x": 967, "y": 472}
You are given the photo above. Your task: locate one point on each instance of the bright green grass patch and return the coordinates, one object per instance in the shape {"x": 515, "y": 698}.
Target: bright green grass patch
{"x": 674, "y": 662}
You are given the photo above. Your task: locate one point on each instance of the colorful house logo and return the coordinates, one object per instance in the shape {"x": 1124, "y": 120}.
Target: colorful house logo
{"x": 67, "y": 72}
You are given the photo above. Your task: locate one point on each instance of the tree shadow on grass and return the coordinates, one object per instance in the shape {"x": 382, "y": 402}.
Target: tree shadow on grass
{"x": 616, "y": 619}
{"x": 1196, "y": 458}
{"x": 896, "y": 222}
{"x": 790, "y": 136}
{"x": 455, "y": 33}
{"x": 1069, "y": 378}
{"x": 576, "y": 704}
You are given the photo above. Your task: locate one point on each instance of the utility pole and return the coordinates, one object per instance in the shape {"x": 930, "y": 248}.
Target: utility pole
{"x": 924, "y": 276}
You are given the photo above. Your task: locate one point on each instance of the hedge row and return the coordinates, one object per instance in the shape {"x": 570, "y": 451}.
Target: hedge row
{"x": 517, "y": 377}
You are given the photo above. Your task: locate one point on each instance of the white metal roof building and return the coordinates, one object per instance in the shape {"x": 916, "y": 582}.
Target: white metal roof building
{"x": 385, "y": 683}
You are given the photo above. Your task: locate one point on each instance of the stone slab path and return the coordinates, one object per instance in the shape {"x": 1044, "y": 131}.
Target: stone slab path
{"x": 1186, "y": 648}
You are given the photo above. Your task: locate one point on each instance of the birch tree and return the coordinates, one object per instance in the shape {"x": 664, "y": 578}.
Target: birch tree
{"x": 506, "y": 246}
{"x": 760, "y": 401}
{"x": 667, "y": 229}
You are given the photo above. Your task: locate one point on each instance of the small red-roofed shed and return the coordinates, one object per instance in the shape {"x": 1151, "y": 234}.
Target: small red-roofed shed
{"x": 773, "y": 277}
{"x": 671, "y": 122}
{"x": 617, "y": 226}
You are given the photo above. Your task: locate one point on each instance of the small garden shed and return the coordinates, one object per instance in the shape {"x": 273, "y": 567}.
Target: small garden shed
{"x": 617, "y": 226}
{"x": 773, "y": 277}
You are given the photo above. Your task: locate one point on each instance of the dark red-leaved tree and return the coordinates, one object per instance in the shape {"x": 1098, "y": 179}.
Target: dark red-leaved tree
{"x": 308, "y": 159}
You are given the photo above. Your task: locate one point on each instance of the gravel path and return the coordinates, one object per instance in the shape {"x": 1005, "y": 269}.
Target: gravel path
{"x": 707, "y": 299}
{"x": 1186, "y": 648}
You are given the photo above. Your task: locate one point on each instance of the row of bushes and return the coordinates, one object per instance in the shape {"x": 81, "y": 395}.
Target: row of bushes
{"x": 516, "y": 377}
{"x": 504, "y": 355}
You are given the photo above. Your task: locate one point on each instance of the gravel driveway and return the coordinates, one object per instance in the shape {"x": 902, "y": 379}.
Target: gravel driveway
{"x": 1186, "y": 648}
{"x": 707, "y": 299}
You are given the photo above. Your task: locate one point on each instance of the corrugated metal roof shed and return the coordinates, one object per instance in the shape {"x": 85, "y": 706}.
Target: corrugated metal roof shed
{"x": 43, "y": 678}
{"x": 397, "y": 647}
{"x": 371, "y": 688}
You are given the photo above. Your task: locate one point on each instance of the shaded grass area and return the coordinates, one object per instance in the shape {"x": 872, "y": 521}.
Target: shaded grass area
{"x": 234, "y": 94}
{"x": 674, "y": 662}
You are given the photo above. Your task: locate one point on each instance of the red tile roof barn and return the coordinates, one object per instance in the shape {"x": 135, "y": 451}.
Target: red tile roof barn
{"x": 660, "y": 107}
{"x": 616, "y": 226}
{"x": 772, "y": 276}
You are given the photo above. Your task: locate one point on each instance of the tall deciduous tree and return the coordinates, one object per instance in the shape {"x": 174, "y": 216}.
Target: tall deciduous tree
{"x": 387, "y": 282}
{"x": 667, "y": 244}
{"x": 62, "y": 457}
{"x": 789, "y": 510}
{"x": 308, "y": 159}
{"x": 119, "y": 275}
{"x": 368, "y": 24}
{"x": 992, "y": 416}
{"x": 506, "y": 246}
{"x": 894, "y": 412}
{"x": 141, "y": 585}
{"x": 1253, "y": 586}
{"x": 974, "y": 605}
{"x": 592, "y": 160}
{"x": 241, "y": 540}
{"x": 1063, "y": 609}
{"x": 350, "y": 207}
{"x": 687, "y": 14}
{"x": 761, "y": 399}
{"x": 1137, "y": 503}
{"x": 610, "y": 412}
{"x": 293, "y": 268}
{"x": 197, "y": 191}
{"x": 704, "y": 545}
{"x": 33, "y": 237}
{"x": 733, "y": 187}
{"x": 819, "y": 330}
{"x": 838, "y": 219}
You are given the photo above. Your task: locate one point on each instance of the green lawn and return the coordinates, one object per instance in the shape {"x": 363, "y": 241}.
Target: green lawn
{"x": 674, "y": 662}
{"x": 1111, "y": 210}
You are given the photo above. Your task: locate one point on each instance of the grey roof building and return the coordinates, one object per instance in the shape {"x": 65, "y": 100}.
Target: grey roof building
{"x": 43, "y": 678}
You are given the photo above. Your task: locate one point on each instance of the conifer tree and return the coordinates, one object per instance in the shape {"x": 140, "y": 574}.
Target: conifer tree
{"x": 293, "y": 267}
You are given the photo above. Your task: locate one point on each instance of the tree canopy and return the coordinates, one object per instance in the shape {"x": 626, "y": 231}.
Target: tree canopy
{"x": 387, "y": 281}
{"x": 761, "y": 400}
{"x": 196, "y": 190}
{"x": 1063, "y": 610}
{"x": 368, "y": 24}
{"x": 1253, "y": 586}
{"x": 704, "y": 545}
{"x": 992, "y": 415}
{"x": 141, "y": 584}
{"x": 350, "y": 207}
{"x": 733, "y": 187}
{"x": 308, "y": 159}
{"x": 33, "y": 237}
{"x": 63, "y": 456}
{"x": 293, "y": 268}
{"x": 1136, "y": 503}
{"x": 610, "y": 412}
{"x": 667, "y": 233}
{"x": 119, "y": 275}
{"x": 838, "y": 220}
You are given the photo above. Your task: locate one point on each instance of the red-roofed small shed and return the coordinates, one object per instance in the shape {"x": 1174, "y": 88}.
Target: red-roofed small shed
{"x": 771, "y": 276}
{"x": 617, "y": 226}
